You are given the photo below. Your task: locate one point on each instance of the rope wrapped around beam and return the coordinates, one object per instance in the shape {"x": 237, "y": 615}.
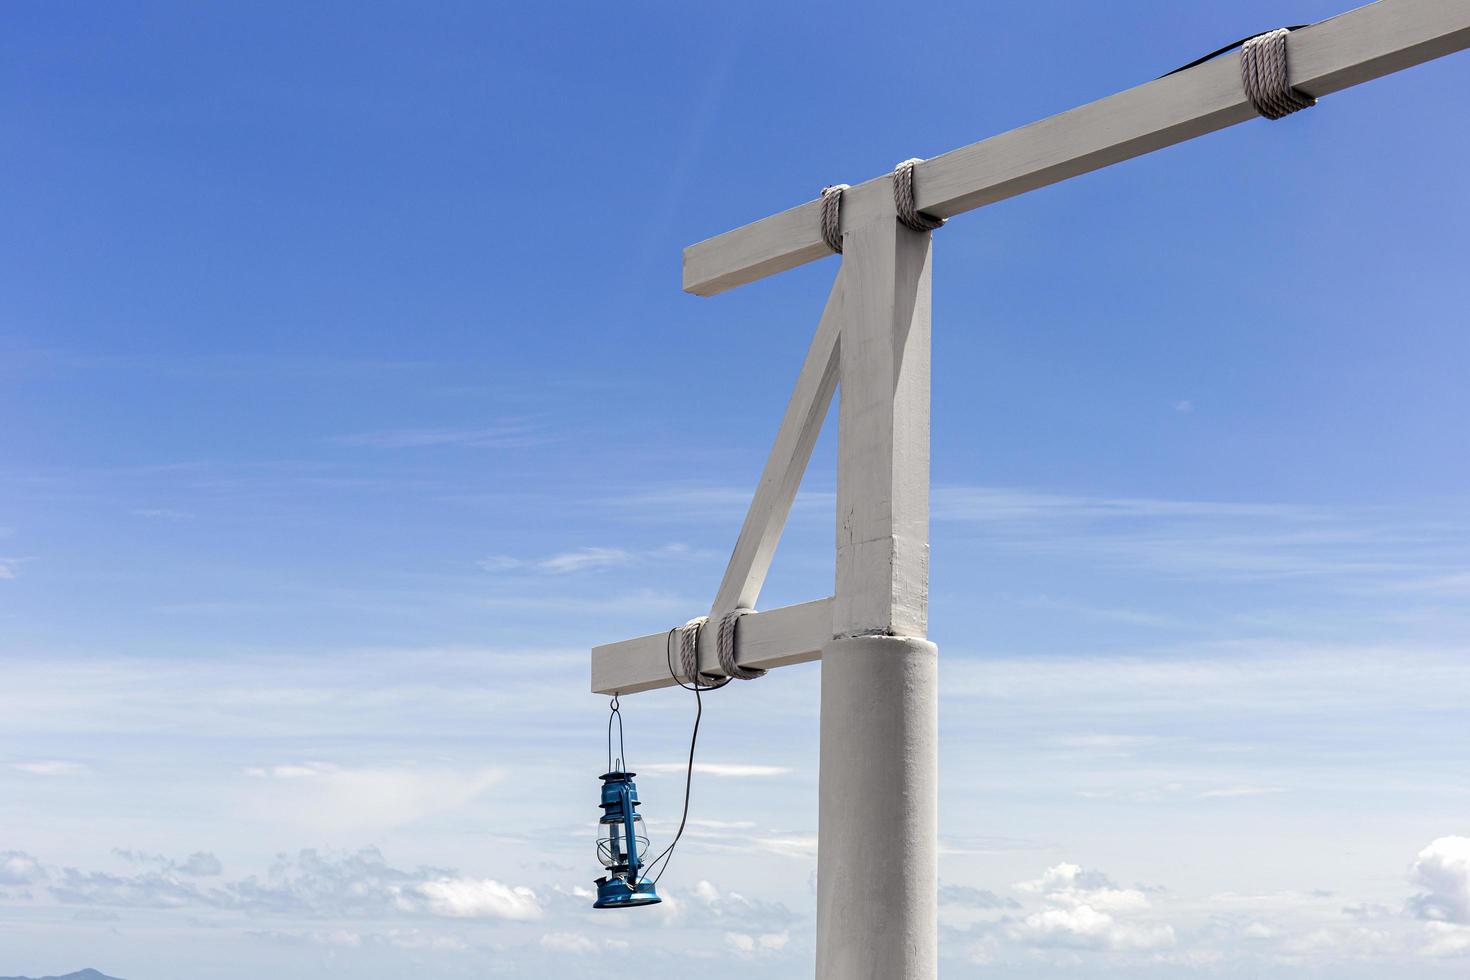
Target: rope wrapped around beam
{"x": 1263, "y": 74}
{"x": 689, "y": 651}
{"x": 725, "y": 647}
{"x": 903, "y": 199}
{"x": 832, "y": 216}
{"x": 725, "y": 644}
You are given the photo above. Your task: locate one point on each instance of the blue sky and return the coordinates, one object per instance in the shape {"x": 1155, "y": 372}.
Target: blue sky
{"x": 348, "y": 396}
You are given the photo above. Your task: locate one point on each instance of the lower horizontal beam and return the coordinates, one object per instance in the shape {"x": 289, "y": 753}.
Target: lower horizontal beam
{"x": 789, "y": 635}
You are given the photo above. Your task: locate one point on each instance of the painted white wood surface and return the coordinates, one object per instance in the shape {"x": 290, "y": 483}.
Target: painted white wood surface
{"x": 801, "y": 425}
{"x": 878, "y": 810}
{"x": 883, "y": 434}
{"x": 1346, "y": 50}
{"x": 775, "y": 638}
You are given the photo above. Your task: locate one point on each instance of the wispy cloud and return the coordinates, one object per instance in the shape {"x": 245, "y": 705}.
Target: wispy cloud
{"x": 687, "y": 502}
{"x": 788, "y": 845}
{"x": 10, "y": 567}
{"x": 52, "y": 767}
{"x": 1106, "y": 742}
{"x": 325, "y": 797}
{"x": 308, "y": 884}
{"x": 1220, "y": 540}
{"x": 581, "y": 559}
{"x": 590, "y": 559}
{"x": 506, "y": 435}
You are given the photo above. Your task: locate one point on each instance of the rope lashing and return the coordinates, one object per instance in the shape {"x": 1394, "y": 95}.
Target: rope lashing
{"x": 903, "y": 199}
{"x": 689, "y": 649}
{"x": 832, "y": 216}
{"x": 1263, "y": 75}
{"x": 726, "y": 648}
{"x": 725, "y": 638}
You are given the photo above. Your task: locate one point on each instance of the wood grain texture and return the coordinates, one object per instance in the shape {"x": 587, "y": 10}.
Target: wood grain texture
{"x": 883, "y": 439}
{"x": 1352, "y": 48}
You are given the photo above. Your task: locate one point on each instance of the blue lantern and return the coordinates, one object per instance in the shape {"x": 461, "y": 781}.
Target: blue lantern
{"x": 621, "y": 846}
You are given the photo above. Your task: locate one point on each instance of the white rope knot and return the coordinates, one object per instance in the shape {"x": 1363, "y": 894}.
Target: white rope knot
{"x": 1263, "y": 75}
{"x": 903, "y": 199}
{"x": 726, "y": 648}
{"x": 832, "y": 216}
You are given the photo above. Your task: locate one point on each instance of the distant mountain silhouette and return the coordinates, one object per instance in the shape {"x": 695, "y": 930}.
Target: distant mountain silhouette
{"x": 87, "y": 974}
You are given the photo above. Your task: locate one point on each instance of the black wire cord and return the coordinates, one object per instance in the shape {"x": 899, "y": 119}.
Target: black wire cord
{"x": 697, "y": 688}
{"x": 1227, "y": 48}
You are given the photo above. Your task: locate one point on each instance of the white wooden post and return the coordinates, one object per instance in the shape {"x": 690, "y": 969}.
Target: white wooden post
{"x": 878, "y": 807}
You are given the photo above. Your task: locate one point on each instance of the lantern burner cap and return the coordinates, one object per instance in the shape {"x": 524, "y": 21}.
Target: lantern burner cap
{"x": 615, "y": 893}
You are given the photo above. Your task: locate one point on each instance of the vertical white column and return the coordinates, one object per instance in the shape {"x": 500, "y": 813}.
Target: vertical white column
{"x": 877, "y": 862}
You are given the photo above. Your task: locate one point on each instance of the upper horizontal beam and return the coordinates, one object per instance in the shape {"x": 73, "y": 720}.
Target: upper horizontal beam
{"x": 1349, "y": 49}
{"x": 788, "y": 635}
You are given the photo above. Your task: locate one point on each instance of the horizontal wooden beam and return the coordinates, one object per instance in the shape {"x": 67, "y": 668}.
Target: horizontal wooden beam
{"x": 1347, "y": 50}
{"x": 788, "y": 635}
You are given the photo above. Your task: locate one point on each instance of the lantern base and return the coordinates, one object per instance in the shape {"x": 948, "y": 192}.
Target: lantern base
{"x": 615, "y": 893}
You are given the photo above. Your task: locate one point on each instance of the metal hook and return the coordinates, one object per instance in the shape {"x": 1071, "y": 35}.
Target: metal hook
{"x": 614, "y": 712}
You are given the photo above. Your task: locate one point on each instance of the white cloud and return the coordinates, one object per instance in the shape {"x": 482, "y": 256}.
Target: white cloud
{"x": 10, "y": 567}
{"x": 19, "y": 868}
{"x": 1087, "y": 911}
{"x": 767, "y": 942}
{"x": 1070, "y": 884}
{"x": 1445, "y": 939}
{"x": 1443, "y": 870}
{"x": 1084, "y": 927}
{"x": 480, "y": 898}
